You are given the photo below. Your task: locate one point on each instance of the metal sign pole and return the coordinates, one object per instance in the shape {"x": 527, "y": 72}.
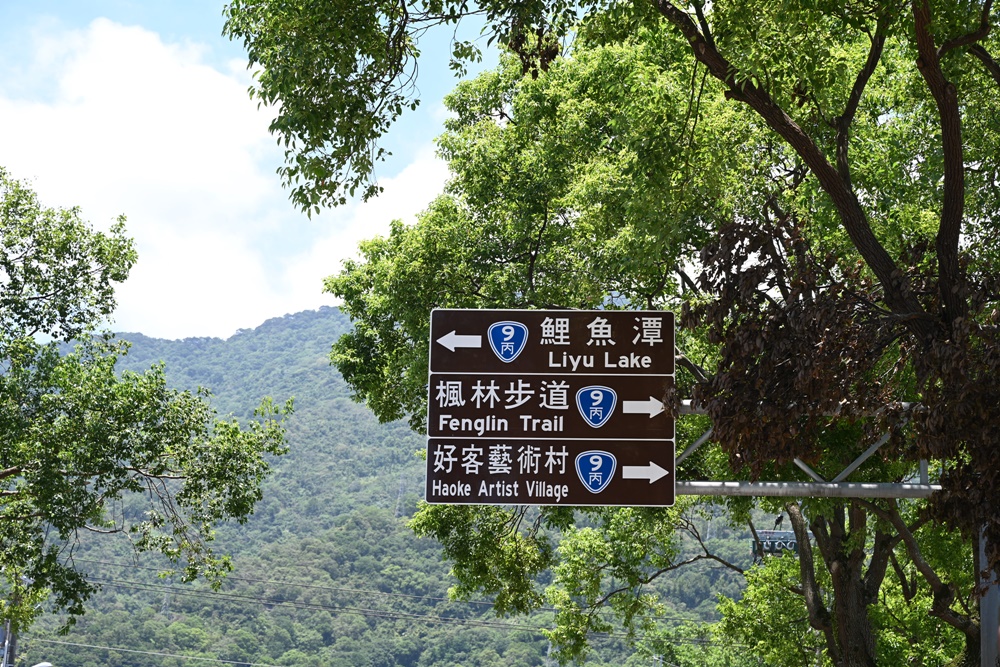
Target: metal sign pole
{"x": 989, "y": 613}
{"x": 6, "y": 644}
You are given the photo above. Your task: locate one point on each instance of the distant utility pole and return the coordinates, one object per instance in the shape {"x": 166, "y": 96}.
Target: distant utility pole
{"x": 989, "y": 613}
{"x": 9, "y": 645}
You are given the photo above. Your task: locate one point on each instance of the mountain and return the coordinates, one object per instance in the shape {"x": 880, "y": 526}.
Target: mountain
{"x": 340, "y": 457}
{"x": 326, "y": 572}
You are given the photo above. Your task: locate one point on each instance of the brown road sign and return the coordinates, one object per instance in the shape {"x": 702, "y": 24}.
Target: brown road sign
{"x": 519, "y": 472}
{"x": 549, "y": 407}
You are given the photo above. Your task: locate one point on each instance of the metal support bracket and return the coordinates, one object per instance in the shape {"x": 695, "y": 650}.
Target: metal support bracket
{"x": 819, "y": 487}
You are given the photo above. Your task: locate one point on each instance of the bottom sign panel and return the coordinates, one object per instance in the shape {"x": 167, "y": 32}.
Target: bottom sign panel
{"x": 545, "y": 472}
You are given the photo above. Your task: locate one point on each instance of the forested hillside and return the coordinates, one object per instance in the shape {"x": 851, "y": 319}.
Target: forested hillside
{"x": 326, "y": 571}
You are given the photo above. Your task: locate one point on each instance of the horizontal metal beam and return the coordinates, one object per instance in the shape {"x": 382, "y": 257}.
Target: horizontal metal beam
{"x": 806, "y": 489}
{"x": 688, "y": 407}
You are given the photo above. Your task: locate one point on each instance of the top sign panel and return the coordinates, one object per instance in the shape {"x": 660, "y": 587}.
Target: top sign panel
{"x": 573, "y": 342}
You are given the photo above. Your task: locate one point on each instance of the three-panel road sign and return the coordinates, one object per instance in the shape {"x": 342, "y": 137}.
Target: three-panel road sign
{"x": 550, "y": 407}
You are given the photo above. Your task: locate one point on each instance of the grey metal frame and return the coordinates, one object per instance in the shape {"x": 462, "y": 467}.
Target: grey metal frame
{"x": 818, "y": 488}
{"x": 839, "y": 488}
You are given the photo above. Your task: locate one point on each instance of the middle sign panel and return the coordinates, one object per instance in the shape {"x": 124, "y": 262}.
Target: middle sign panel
{"x": 538, "y": 406}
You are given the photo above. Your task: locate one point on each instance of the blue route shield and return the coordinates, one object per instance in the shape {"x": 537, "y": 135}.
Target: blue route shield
{"x": 596, "y": 469}
{"x": 596, "y": 404}
{"x": 507, "y": 339}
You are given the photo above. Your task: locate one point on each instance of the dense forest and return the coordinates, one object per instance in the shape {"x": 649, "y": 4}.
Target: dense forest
{"x": 326, "y": 572}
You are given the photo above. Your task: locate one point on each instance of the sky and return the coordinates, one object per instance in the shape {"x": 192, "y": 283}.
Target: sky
{"x": 137, "y": 108}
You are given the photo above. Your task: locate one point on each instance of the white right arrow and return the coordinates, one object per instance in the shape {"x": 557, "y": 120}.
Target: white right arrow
{"x": 652, "y": 472}
{"x": 651, "y": 407}
{"x": 451, "y": 340}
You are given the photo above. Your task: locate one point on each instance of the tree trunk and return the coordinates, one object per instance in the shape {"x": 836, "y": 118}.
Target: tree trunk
{"x": 850, "y": 611}
{"x": 854, "y": 589}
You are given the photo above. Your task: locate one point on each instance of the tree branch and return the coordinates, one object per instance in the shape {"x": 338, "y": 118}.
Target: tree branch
{"x": 819, "y": 615}
{"x": 898, "y": 295}
{"x": 697, "y": 371}
{"x": 854, "y": 99}
{"x": 686, "y": 281}
{"x": 756, "y": 538}
{"x": 953, "y": 198}
{"x": 693, "y": 531}
{"x": 991, "y": 65}
{"x": 655, "y": 575}
{"x": 879, "y": 563}
{"x": 22, "y": 517}
{"x": 533, "y": 253}
{"x": 944, "y": 594}
{"x": 909, "y": 590}
{"x": 971, "y": 37}
{"x": 104, "y": 531}
{"x": 699, "y": 10}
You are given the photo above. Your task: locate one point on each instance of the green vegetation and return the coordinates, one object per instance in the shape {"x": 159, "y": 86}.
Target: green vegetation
{"x": 88, "y": 451}
{"x": 570, "y": 190}
{"x": 326, "y": 571}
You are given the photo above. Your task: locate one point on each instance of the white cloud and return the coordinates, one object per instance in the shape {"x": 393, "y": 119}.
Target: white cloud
{"x": 132, "y": 123}
{"x": 403, "y": 197}
{"x": 193, "y": 289}
{"x": 114, "y": 120}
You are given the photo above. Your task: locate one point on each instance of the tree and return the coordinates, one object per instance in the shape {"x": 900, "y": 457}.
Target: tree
{"x": 88, "y": 450}
{"x": 823, "y": 186}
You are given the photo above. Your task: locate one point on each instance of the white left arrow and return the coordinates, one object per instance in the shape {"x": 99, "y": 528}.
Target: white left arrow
{"x": 651, "y": 407}
{"x": 652, "y": 472}
{"x": 452, "y": 340}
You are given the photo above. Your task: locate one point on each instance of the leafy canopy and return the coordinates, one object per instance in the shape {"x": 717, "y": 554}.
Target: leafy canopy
{"x": 812, "y": 182}
{"x": 86, "y": 449}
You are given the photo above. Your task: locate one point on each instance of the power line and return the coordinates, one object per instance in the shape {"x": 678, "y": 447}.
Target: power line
{"x": 373, "y": 613}
{"x": 321, "y": 607}
{"x": 310, "y": 586}
{"x": 678, "y": 617}
{"x": 242, "y": 663}
{"x": 377, "y": 613}
{"x": 161, "y": 654}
